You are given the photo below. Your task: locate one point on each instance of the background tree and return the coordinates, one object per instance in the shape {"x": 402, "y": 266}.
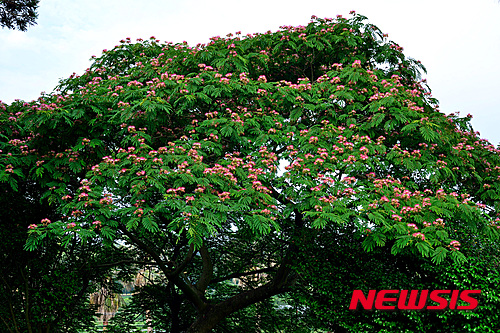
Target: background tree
{"x": 46, "y": 290}
{"x": 18, "y": 14}
{"x": 192, "y": 155}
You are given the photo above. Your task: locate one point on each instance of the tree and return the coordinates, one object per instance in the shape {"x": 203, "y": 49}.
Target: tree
{"x": 45, "y": 290}
{"x": 216, "y": 161}
{"x": 18, "y": 14}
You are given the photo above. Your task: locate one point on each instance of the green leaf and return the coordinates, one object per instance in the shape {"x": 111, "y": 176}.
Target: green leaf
{"x": 458, "y": 257}
{"x": 400, "y": 243}
{"x": 423, "y": 248}
{"x": 439, "y": 255}
{"x": 428, "y": 134}
{"x": 441, "y": 234}
{"x": 296, "y": 113}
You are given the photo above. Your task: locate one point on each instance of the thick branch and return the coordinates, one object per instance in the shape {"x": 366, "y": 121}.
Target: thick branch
{"x": 185, "y": 262}
{"x": 186, "y": 288}
{"x": 207, "y": 272}
{"x": 279, "y": 196}
{"x": 147, "y": 249}
{"x": 279, "y": 284}
{"x": 121, "y": 262}
{"x": 242, "y": 274}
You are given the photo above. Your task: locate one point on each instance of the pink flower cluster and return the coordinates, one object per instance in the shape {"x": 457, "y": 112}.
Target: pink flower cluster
{"x": 176, "y": 190}
{"x": 419, "y": 235}
{"x": 455, "y": 245}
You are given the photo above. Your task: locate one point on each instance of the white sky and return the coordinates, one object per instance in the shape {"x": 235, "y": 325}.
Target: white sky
{"x": 458, "y": 41}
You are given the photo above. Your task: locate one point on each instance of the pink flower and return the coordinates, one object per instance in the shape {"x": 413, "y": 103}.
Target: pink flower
{"x": 455, "y": 244}
{"x": 313, "y": 139}
{"x": 412, "y": 225}
{"x": 71, "y": 225}
{"x": 224, "y": 196}
{"x": 32, "y": 226}
{"x": 419, "y": 235}
{"x": 439, "y": 222}
{"x": 396, "y": 217}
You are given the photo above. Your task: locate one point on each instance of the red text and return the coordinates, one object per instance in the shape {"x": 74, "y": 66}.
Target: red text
{"x": 417, "y": 300}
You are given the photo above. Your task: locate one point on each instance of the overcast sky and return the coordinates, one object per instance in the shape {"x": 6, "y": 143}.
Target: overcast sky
{"x": 458, "y": 41}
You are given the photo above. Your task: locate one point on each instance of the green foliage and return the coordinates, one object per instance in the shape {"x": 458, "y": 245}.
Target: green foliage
{"x": 45, "y": 290}
{"x": 328, "y": 279}
{"x": 18, "y": 14}
{"x": 183, "y": 153}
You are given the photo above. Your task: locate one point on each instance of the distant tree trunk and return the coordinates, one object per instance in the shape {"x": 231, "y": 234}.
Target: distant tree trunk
{"x": 107, "y": 304}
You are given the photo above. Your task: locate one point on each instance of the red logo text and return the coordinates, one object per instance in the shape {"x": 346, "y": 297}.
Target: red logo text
{"x": 398, "y": 299}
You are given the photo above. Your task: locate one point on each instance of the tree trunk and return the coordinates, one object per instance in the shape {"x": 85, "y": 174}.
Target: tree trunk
{"x": 175, "y": 307}
{"x": 215, "y": 313}
{"x": 205, "y": 323}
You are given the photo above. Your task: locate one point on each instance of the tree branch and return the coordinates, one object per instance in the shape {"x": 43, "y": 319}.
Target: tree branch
{"x": 190, "y": 292}
{"x": 279, "y": 284}
{"x": 242, "y": 274}
{"x": 207, "y": 271}
{"x": 185, "y": 262}
{"x": 117, "y": 263}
